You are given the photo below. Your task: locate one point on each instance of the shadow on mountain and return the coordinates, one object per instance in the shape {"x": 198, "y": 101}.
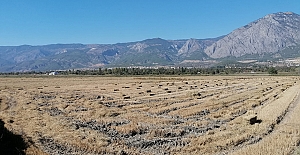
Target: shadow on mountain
{"x": 11, "y": 144}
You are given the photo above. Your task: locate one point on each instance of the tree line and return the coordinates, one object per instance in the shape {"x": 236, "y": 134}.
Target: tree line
{"x": 168, "y": 71}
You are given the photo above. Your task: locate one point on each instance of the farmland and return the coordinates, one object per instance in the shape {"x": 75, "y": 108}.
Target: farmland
{"x": 153, "y": 115}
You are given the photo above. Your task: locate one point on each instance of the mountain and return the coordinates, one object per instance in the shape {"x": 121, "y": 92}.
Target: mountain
{"x": 269, "y": 34}
{"x": 149, "y": 52}
{"x": 192, "y": 45}
{"x": 275, "y": 37}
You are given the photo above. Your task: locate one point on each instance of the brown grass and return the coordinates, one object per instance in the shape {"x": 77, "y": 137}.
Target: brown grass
{"x": 115, "y": 115}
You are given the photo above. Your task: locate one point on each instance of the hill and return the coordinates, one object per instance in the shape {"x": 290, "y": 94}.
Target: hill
{"x": 274, "y": 37}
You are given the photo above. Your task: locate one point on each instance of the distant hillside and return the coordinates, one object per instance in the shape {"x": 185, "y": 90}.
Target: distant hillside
{"x": 150, "y": 52}
{"x": 270, "y": 38}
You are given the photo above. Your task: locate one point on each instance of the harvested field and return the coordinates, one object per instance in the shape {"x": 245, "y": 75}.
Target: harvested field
{"x": 153, "y": 115}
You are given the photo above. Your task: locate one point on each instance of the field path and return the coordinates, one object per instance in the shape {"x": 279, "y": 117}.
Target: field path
{"x": 284, "y": 138}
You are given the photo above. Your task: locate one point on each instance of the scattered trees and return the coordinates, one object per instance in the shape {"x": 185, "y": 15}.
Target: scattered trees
{"x": 119, "y": 71}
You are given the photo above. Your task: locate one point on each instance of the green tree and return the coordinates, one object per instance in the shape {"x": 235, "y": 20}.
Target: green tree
{"x": 272, "y": 71}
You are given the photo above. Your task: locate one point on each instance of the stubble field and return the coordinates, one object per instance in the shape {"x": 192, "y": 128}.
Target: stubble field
{"x": 153, "y": 115}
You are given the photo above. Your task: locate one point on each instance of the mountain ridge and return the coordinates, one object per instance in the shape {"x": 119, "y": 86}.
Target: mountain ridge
{"x": 265, "y": 37}
{"x": 268, "y": 34}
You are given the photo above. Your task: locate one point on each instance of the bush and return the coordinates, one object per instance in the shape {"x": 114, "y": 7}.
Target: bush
{"x": 272, "y": 71}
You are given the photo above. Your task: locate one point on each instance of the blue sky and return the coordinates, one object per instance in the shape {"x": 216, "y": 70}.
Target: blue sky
{"x": 40, "y": 22}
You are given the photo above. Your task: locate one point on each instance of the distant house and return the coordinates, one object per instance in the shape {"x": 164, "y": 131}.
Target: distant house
{"x": 53, "y": 73}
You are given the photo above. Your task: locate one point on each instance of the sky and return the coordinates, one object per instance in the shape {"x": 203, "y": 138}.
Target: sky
{"x": 42, "y": 22}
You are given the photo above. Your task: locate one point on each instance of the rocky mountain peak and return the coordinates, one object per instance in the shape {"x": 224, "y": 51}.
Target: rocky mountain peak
{"x": 190, "y": 46}
{"x": 283, "y": 18}
{"x": 269, "y": 34}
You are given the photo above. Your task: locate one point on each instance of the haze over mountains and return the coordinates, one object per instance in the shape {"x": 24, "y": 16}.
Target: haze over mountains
{"x": 274, "y": 37}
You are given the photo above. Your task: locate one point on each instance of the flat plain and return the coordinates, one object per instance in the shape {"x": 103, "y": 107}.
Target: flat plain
{"x": 153, "y": 115}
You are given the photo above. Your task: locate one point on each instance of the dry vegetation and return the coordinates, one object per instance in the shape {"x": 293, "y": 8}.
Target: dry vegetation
{"x": 153, "y": 115}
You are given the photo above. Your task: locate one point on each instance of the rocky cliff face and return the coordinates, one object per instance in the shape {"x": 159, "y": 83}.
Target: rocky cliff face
{"x": 190, "y": 46}
{"x": 269, "y": 34}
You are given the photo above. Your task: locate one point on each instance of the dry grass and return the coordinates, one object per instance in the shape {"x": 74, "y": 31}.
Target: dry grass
{"x": 286, "y": 135}
{"x": 115, "y": 115}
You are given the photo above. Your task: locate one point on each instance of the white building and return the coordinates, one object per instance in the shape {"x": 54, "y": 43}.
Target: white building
{"x": 53, "y": 73}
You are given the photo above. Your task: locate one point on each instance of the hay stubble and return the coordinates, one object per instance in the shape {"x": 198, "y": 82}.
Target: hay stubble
{"x": 150, "y": 115}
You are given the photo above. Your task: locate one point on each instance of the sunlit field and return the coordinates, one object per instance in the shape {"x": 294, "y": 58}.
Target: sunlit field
{"x": 153, "y": 115}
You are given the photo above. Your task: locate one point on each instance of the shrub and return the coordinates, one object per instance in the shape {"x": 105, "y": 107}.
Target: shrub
{"x": 272, "y": 71}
